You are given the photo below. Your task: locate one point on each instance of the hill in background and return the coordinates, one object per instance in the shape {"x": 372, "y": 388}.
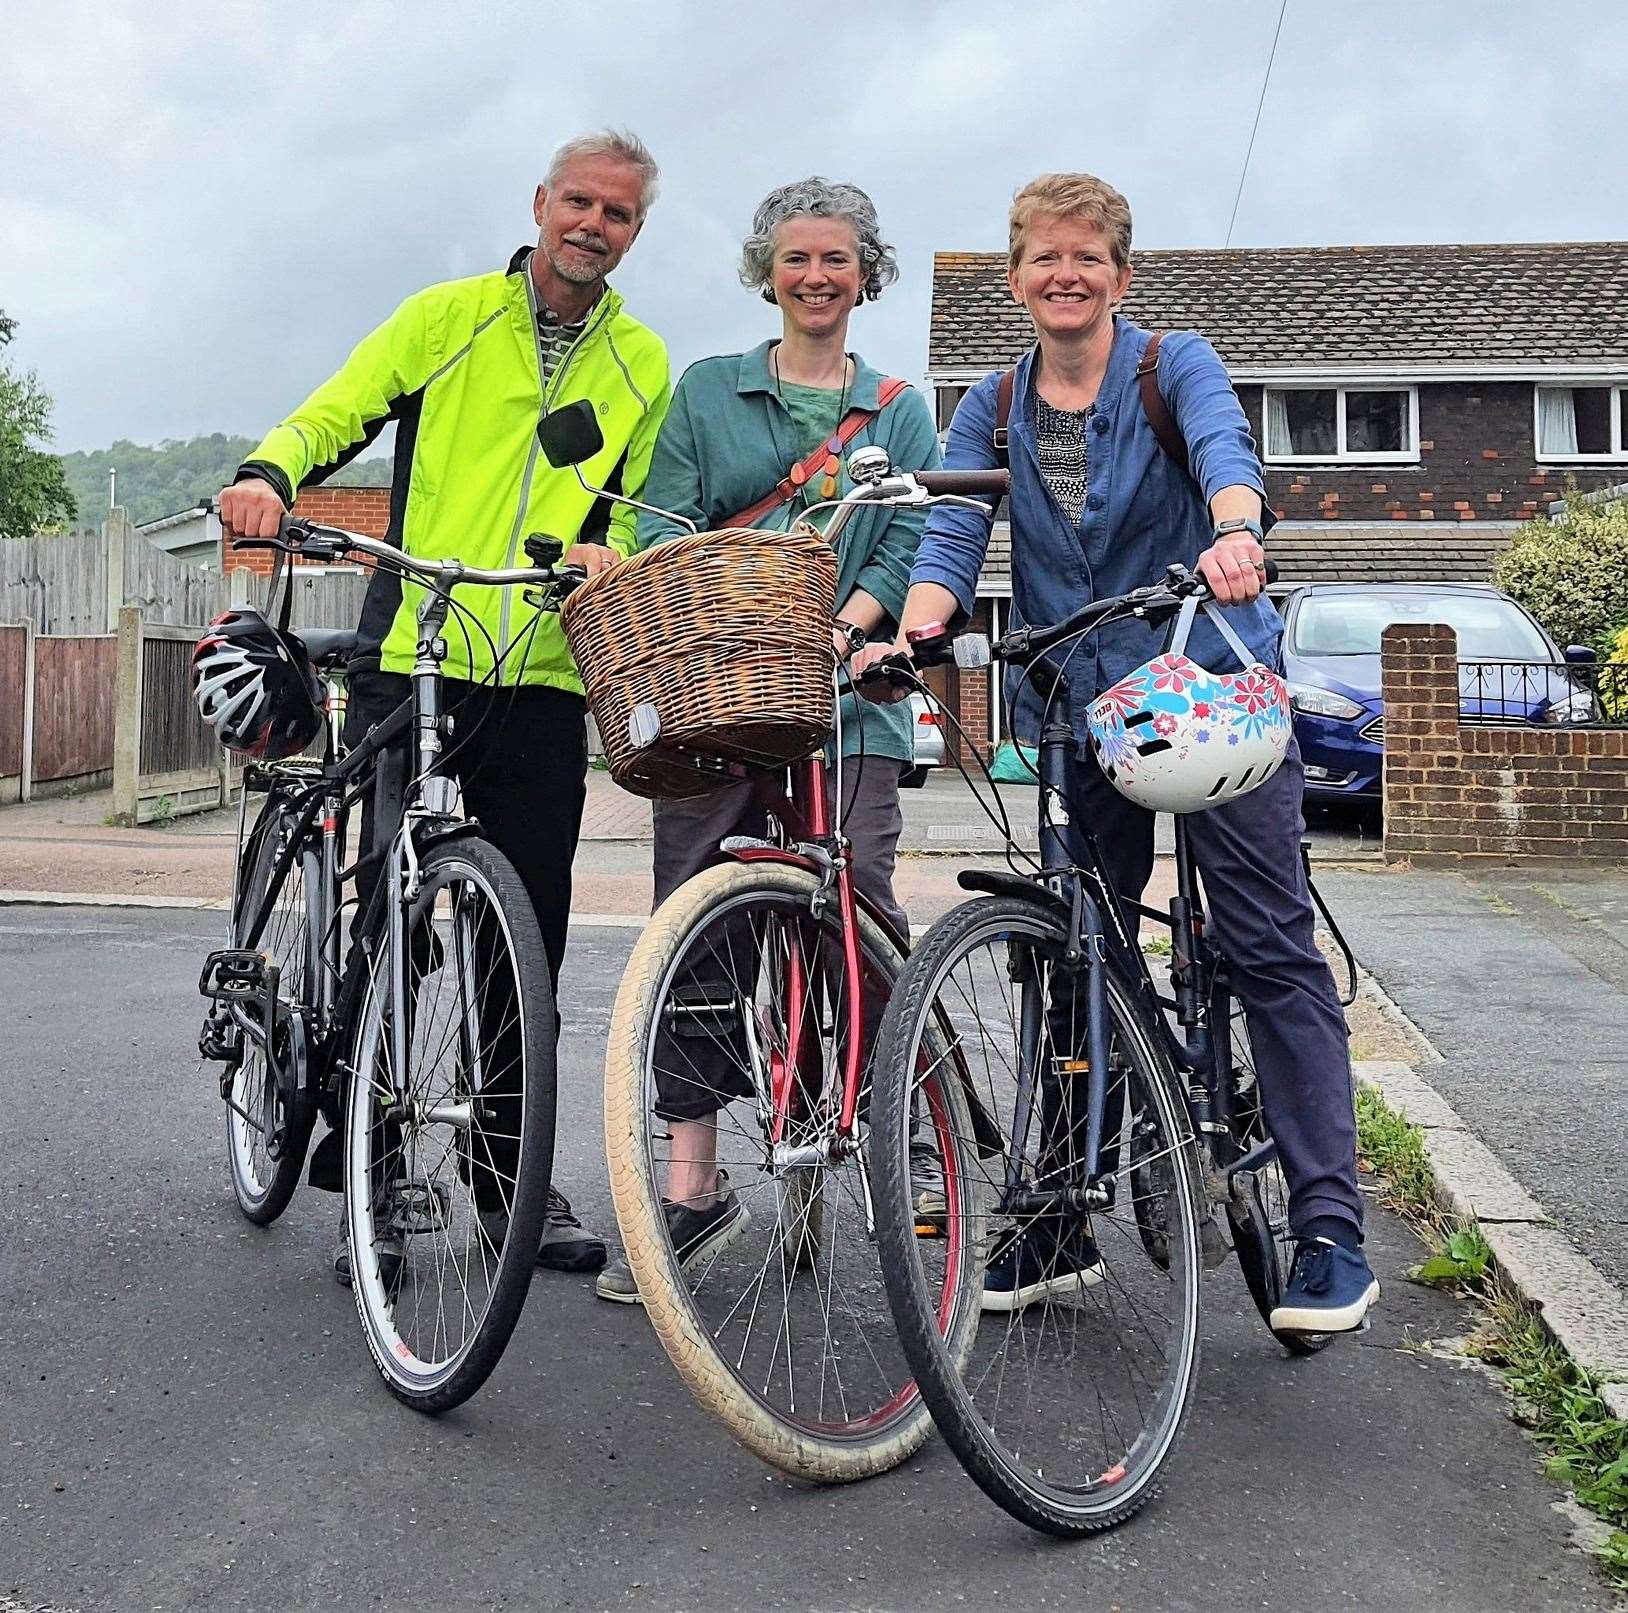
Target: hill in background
{"x": 174, "y": 476}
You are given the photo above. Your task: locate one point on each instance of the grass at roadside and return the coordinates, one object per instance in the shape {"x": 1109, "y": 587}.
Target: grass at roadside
{"x": 1555, "y": 1399}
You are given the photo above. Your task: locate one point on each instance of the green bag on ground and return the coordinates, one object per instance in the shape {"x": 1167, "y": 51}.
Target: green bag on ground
{"x": 1010, "y": 767}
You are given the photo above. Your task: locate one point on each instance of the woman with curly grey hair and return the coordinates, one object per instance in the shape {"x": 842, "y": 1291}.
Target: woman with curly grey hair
{"x": 738, "y": 425}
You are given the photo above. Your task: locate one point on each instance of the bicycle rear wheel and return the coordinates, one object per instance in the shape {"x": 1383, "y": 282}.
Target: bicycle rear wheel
{"x": 449, "y": 1129}
{"x": 1080, "y": 1376}
{"x": 267, "y": 1132}
{"x": 1258, "y": 1204}
{"x": 778, "y": 1323}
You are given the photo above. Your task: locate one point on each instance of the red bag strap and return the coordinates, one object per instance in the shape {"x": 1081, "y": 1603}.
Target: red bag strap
{"x": 805, "y": 470}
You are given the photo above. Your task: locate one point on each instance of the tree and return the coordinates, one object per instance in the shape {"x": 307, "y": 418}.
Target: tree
{"x": 34, "y": 494}
{"x": 1572, "y": 574}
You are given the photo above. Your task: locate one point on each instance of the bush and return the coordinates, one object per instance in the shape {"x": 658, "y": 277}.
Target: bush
{"x": 1572, "y": 574}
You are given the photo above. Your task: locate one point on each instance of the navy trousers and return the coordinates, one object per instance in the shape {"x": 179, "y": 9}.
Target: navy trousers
{"x": 1261, "y": 917}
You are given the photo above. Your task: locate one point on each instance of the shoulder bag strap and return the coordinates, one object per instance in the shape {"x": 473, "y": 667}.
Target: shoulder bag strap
{"x": 1154, "y": 407}
{"x": 805, "y": 470}
{"x": 1003, "y": 417}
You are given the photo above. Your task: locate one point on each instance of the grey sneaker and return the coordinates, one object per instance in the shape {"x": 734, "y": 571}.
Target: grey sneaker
{"x": 696, "y": 1234}
{"x": 567, "y": 1245}
{"x": 564, "y": 1246}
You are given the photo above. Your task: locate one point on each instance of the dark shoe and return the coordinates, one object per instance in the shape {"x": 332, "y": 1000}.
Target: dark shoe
{"x": 927, "y": 1190}
{"x": 392, "y": 1256}
{"x": 1330, "y": 1290}
{"x": 1032, "y": 1267}
{"x": 566, "y": 1245}
{"x": 696, "y": 1234}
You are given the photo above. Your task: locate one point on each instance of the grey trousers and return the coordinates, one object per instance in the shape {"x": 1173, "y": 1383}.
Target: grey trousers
{"x": 705, "y": 1068}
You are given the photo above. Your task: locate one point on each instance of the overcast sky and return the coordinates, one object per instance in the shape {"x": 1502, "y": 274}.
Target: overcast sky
{"x": 203, "y": 206}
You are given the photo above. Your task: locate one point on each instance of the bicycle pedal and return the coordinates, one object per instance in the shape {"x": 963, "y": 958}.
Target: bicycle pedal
{"x": 1214, "y": 1246}
{"x": 232, "y": 972}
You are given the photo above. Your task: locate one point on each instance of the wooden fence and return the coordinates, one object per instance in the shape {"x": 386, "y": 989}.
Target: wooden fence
{"x": 56, "y": 710}
{"x": 96, "y": 633}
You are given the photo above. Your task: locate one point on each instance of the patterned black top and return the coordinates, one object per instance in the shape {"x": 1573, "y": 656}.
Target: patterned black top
{"x": 1059, "y": 437}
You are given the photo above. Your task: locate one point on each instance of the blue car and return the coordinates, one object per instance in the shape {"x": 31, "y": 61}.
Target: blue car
{"x": 1331, "y": 660}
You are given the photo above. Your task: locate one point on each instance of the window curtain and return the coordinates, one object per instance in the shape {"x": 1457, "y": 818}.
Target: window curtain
{"x": 1277, "y": 424}
{"x": 1557, "y": 420}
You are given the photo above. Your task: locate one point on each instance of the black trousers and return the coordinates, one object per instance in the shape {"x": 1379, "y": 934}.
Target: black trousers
{"x": 520, "y": 755}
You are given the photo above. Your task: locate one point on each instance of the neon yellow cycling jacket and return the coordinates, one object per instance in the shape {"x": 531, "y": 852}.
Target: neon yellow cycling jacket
{"x": 457, "y": 366}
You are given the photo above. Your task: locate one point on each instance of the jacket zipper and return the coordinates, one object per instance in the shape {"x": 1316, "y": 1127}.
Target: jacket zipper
{"x": 549, "y": 389}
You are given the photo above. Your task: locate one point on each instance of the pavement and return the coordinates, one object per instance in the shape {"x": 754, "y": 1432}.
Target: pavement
{"x": 192, "y": 1421}
{"x": 1519, "y": 979}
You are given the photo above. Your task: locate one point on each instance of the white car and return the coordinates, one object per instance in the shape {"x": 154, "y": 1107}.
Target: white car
{"x": 929, "y": 741}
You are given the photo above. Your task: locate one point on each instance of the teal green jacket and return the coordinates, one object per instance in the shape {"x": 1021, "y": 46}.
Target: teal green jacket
{"x": 728, "y": 439}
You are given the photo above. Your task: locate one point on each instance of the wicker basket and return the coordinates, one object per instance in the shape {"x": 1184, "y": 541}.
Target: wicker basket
{"x": 728, "y": 636}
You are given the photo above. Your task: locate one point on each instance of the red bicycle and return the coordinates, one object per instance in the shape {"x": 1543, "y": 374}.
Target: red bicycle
{"x": 753, "y": 996}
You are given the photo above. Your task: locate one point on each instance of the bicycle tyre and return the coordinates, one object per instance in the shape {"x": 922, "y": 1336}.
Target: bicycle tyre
{"x": 389, "y": 1303}
{"x": 262, "y": 918}
{"x": 1259, "y": 1212}
{"x": 808, "y": 1447}
{"x": 1045, "y": 1505}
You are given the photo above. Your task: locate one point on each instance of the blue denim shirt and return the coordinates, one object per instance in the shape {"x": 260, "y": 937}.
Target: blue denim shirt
{"x": 1141, "y": 513}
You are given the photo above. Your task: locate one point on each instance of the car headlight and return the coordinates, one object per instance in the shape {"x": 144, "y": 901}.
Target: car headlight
{"x": 1575, "y": 708}
{"x": 1315, "y": 702}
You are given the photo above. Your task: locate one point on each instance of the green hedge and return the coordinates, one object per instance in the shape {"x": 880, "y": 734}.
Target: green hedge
{"x": 1572, "y": 574}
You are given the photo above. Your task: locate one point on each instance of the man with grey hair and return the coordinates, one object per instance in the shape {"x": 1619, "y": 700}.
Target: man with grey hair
{"x": 465, "y": 369}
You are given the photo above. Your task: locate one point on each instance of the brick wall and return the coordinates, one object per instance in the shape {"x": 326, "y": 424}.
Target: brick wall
{"x": 967, "y": 696}
{"x": 357, "y": 509}
{"x": 1457, "y": 792}
{"x": 1477, "y": 462}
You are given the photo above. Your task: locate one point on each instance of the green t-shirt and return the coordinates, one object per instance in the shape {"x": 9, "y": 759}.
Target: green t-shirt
{"x": 816, "y": 412}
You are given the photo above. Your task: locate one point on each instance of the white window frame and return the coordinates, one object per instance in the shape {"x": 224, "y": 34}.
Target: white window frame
{"x": 1343, "y": 456}
{"x": 1619, "y": 404}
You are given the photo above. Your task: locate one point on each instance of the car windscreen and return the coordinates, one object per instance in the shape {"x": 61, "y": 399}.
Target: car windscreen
{"x": 1488, "y": 628}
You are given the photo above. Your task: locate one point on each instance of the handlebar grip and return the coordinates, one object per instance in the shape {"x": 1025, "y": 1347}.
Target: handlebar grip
{"x": 1271, "y": 570}
{"x": 996, "y": 482}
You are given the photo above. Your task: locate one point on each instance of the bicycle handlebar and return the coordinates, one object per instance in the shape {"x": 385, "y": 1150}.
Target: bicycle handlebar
{"x": 319, "y": 542}
{"x": 996, "y": 482}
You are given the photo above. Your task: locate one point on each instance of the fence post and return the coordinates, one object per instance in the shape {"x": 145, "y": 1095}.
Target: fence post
{"x": 127, "y": 718}
{"x": 26, "y": 782}
{"x": 115, "y": 529}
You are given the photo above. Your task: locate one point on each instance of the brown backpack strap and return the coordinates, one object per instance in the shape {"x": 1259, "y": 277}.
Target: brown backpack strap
{"x": 1154, "y": 407}
{"x": 805, "y": 470}
{"x": 1003, "y": 416}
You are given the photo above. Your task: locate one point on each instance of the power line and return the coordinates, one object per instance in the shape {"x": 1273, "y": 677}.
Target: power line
{"x": 1257, "y": 123}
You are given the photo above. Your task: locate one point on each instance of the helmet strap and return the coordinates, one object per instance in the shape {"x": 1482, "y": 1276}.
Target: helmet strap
{"x": 1184, "y": 626}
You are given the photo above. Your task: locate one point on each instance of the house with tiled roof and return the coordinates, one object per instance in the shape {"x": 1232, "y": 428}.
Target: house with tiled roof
{"x": 1411, "y": 404}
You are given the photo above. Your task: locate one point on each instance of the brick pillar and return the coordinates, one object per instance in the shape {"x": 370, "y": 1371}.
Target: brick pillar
{"x": 1422, "y": 770}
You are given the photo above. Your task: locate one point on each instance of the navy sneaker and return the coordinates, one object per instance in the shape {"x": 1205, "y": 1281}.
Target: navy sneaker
{"x": 1032, "y": 1267}
{"x": 1330, "y": 1290}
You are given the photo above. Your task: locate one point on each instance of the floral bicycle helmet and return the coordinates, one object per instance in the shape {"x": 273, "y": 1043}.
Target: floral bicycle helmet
{"x": 256, "y": 686}
{"x": 1174, "y": 737}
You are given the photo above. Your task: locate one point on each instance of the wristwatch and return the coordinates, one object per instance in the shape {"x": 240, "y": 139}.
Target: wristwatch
{"x": 856, "y": 635}
{"x": 1241, "y": 523}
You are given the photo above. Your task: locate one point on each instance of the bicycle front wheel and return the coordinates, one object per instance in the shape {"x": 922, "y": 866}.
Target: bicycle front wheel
{"x": 267, "y": 1129}
{"x": 449, "y": 1128}
{"x": 1080, "y": 1376}
{"x": 735, "y": 1009}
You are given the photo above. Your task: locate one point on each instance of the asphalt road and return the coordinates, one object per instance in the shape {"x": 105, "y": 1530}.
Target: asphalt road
{"x": 191, "y": 1419}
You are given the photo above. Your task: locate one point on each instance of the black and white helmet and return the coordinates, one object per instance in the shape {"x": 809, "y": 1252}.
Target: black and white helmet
{"x": 256, "y": 686}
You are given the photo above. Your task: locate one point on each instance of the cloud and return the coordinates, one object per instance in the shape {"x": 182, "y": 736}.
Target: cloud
{"x": 204, "y": 207}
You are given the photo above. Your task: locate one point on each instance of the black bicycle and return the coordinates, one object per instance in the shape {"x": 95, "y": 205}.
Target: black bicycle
{"x": 1129, "y": 1150}
{"x": 428, "y": 1041}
